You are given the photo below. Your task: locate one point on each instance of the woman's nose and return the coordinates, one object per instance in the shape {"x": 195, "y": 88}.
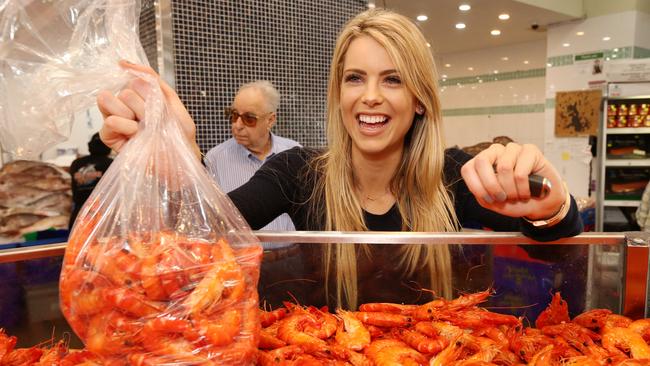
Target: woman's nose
{"x": 372, "y": 95}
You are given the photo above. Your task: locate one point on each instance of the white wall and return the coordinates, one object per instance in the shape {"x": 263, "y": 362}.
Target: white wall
{"x": 500, "y": 99}
{"x": 85, "y": 124}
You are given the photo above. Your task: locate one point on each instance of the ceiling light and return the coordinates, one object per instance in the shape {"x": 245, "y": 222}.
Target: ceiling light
{"x": 460, "y": 25}
{"x": 504, "y": 16}
{"x": 447, "y": 65}
{"x": 581, "y": 33}
{"x": 526, "y": 62}
{"x": 428, "y": 44}
{"x": 480, "y": 81}
{"x": 495, "y": 32}
{"x": 615, "y": 49}
{"x": 566, "y": 44}
{"x": 504, "y": 58}
{"x": 470, "y": 68}
{"x": 496, "y": 71}
{"x": 606, "y": 38}
{"x": 371, "y": 5}
{"x": 548, "y": 64}
{"x": 444, "y": 76}
{"x": 464, "y": 7}
{"x": 422, "y": 17}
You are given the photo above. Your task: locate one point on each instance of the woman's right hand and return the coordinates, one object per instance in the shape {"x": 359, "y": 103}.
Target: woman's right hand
{"x": 123, "y": 112}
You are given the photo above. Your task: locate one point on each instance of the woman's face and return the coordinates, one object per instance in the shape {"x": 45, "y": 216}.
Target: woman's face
{"x": 376, "y": 105}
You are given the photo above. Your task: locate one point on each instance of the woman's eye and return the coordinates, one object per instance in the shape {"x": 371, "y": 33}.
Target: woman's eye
{"x": 352, "y": 78}
{"x": 393, "y": 80}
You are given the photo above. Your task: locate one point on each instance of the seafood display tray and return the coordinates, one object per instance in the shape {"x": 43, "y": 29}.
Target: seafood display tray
{"x": 591, "y": 270}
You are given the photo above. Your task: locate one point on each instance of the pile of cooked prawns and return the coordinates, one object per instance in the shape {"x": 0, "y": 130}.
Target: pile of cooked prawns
{"x": 442, "y": 332}
{"x": 450, "y": 332}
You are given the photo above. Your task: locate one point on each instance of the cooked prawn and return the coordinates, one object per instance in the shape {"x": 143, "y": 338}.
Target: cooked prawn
{"x": 623, "y": 339}
{"x": 642, "y": 328}
{"x": 384, "y": 319}
{"x": 351, "y": 333}
{"x": 557, "y": 312}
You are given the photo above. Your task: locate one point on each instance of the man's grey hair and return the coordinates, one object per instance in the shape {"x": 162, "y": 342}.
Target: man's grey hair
{"x": 269, "y": 91}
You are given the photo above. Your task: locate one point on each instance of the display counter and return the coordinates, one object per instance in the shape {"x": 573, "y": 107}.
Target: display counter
{"x": 591, "y": 270}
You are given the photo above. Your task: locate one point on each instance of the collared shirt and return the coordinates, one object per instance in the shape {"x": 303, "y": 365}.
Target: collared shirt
{"x": 232, "y": 165}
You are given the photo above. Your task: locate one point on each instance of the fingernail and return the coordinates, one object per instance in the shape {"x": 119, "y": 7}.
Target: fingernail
{"x": 487, "y": 198}
{"x": 501, "y": 196}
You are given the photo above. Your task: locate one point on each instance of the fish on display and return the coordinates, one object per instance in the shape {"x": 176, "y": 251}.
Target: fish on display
{"x": 34, "y": 196}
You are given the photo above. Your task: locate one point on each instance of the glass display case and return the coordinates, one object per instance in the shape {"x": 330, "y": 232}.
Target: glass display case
{"x": 592, "y": 270}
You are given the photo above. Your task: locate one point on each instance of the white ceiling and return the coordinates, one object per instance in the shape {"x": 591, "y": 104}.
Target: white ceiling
{"x": 444, "y": 38}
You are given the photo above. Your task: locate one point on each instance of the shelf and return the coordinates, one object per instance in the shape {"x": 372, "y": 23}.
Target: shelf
{"x": 621, "y": 203}
{"x": 627, "y": 162}
{"x": 629, "y": 98}
{"x": 627, "y": 130}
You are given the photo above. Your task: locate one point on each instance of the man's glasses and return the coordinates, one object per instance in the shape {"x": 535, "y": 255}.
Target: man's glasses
{"x": 248, "y": 119}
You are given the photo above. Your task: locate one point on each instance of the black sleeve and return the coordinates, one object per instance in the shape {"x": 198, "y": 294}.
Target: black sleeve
{"x": 271, "y": 191}
{"x": 469, "y": 211}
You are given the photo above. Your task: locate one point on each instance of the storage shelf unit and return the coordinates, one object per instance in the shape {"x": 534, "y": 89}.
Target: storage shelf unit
{"x": 613, "y": 170}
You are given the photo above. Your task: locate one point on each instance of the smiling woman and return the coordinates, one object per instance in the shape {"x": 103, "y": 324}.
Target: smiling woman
{"x": 385, "y": 168}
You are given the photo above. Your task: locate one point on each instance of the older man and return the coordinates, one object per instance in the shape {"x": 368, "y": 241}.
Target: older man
{"x": 233, "y": 162}
{"x": 252, "y": 115}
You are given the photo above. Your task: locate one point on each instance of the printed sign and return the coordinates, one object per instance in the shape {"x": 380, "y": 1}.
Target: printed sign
{"x": 577, "y": 113}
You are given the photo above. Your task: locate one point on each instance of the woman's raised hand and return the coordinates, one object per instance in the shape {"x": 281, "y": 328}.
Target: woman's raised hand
{"x": 123, "y": 112}
{"x": 498, "y": 177}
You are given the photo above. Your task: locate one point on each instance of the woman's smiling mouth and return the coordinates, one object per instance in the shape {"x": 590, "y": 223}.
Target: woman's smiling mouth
{"x": 372, "y": 122}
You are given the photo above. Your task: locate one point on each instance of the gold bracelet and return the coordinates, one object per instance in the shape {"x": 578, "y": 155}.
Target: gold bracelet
{"x": 553, "y": 220}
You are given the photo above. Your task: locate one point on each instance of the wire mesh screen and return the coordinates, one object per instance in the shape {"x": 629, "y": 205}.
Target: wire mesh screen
{"x": 148, "y": 32}
{"x": 220, "y": 45}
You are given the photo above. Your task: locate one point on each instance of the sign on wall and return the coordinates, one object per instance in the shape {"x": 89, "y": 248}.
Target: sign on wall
{"x": 577, "y": 113}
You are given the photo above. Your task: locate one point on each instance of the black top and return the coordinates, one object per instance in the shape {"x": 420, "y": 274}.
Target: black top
{"x": 285, "y": 184}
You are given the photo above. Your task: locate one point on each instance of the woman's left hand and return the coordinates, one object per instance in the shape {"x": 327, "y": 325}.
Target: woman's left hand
{"x": 498, "y": 177}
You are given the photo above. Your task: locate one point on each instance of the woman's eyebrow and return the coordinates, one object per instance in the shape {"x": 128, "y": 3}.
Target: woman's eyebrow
{"x": 359, "y": 71}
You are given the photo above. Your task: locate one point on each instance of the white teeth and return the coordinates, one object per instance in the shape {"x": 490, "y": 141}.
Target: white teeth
{"x": 372, "y": 119}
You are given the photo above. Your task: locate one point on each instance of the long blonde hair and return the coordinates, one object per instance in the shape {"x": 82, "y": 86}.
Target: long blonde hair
{"x": 423, "y": 200}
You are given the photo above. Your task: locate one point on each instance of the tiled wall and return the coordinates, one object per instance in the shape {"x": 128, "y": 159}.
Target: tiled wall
{"x": 222, "y": 44}
{"x": 494, "y": 92}
{"x": 148, "y": 32}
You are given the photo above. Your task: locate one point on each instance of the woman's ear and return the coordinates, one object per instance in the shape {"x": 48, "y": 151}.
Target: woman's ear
{"x": 419, "y": 109}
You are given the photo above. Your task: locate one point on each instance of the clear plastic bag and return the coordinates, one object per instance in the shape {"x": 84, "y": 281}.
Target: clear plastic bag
{"x": 54, "y": 58}
{"x": 160, "y": 267}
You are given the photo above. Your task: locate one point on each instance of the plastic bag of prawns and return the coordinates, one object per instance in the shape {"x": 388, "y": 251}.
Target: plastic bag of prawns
{"x": 160, "y": 267}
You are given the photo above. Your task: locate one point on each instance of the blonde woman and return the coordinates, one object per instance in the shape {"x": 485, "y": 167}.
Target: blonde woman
{"x": 385, "y": 168}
